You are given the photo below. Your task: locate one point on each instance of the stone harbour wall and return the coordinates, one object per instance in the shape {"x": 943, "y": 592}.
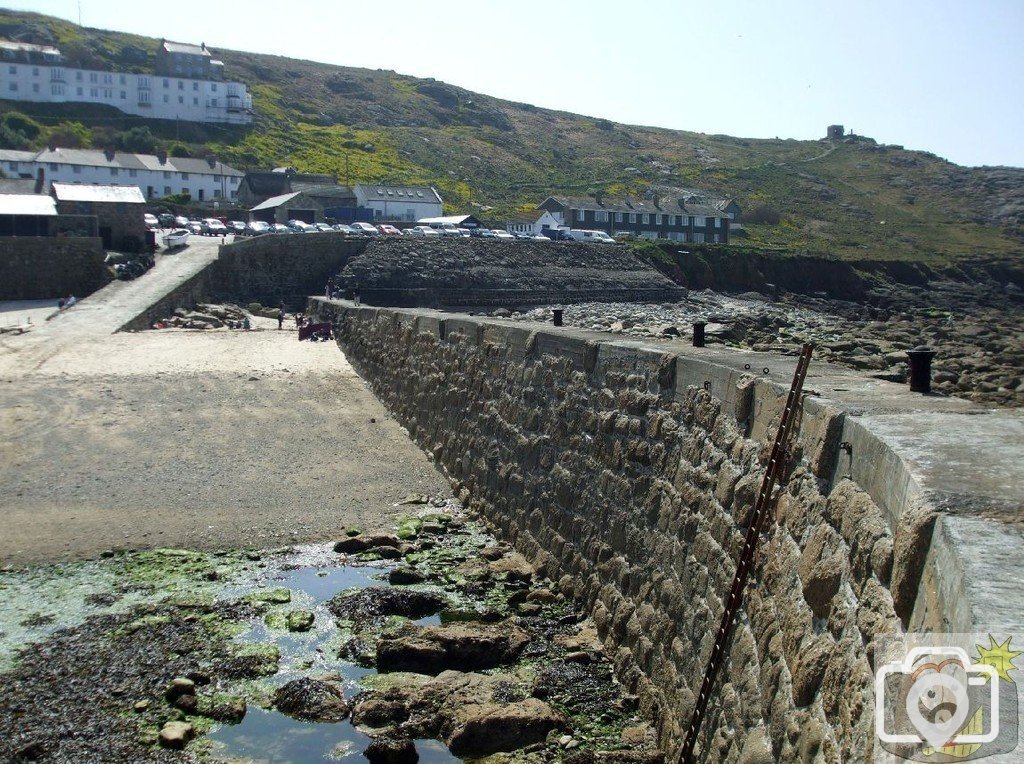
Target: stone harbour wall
{"x": 51, "y": 267}
{"x": 612, "y": 467}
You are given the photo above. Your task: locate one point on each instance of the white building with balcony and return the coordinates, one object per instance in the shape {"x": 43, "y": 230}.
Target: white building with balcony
{"x": 37, "y": 73}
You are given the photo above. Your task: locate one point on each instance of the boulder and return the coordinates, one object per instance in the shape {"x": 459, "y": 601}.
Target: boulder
{"x": 481, "y": 729}
{"x": 404, "y": 575}
{"x": 299, "y": 620}
{"x": 457, "y": 646}
{"x": 312, "y": 699}
{"x": 389, "y": 750}
{"x": 176, "y": 735}
{"x": 377, "y": 602}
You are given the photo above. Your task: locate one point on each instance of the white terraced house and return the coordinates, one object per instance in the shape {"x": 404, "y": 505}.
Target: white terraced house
{"x": 187, "y": 84}
{"x": 157, "y": 176}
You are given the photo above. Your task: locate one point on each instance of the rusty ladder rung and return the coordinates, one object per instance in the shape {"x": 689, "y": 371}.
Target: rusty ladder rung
{"x": 776, "y": 462}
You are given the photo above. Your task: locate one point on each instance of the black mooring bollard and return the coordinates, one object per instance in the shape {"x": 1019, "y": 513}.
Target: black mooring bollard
{"x": 698, "y": 333}
{"x": 921, "y": 369}
{"x": 557, "y": 316}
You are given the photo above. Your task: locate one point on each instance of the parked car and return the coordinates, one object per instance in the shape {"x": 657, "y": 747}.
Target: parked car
{"x": 388, "y": 230}
{"x": 600, "y": 237}
{"x": 257, "y": 227}
{"x": 237, "y": 227}
{"x": 421, "y": 230}
{"x": 346, "y": 229}
{"x": 181, "y": 221}
{"x": 280, "y": 228}
{"x": 483, "y": 233}
{"x": 214, "y": 227}
{"x": 195, "y": 227}
{"x": 364, "y": 228}
{"x": 500, "y": 234}
{"x": 322, "y": 227}
{"x": 166, "y": 219}
{"x": 151, "y": 220}
{"x": 557, "y": 234}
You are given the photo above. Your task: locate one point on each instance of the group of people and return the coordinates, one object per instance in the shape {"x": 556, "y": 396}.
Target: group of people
{"x": 333, "y": 291}
{"x": 66, "y": 302}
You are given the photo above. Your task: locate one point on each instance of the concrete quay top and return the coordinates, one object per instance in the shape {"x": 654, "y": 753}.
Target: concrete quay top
{"x": 911, "y": 453}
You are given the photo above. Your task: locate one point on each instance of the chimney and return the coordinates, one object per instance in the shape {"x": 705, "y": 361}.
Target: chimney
{"x": 211, "y": 159}
{"x": 162, "y": 156}
{"x": 657, "y": 201}
{"x": 599, "y": 197}
{"x": 40, "y": 181}
{"x": 108, "y": 152}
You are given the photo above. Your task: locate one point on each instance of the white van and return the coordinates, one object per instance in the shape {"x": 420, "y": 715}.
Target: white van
{"x": 592, "y": 236}
{"x": 446, "y": 229}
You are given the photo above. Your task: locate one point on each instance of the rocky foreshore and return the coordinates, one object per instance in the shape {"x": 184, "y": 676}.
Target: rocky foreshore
{"x": 977, "y": 331}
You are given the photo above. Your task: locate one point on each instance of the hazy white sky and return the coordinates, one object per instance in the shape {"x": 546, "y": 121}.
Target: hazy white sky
{"x": 935, "y": 75}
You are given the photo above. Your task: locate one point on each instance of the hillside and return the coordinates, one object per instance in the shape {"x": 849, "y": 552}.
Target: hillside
{"x": 851, "y": 199}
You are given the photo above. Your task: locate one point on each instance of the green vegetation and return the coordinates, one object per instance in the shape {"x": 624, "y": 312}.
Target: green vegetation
{"x": 852, "y": 199}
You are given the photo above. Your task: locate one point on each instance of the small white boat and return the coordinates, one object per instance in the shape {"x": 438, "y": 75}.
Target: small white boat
{"x": 176, "y": 238}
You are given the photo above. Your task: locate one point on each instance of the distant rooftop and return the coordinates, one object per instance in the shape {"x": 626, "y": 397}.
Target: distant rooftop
{"x": 24, "y": 47}
{"x": 184, "y": 47}
{"x": 27, "y": 204}
{"x": 76, "y": 192}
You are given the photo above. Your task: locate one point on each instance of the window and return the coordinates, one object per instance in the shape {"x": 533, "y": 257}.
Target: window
{"x": 14, "y": 70}
{"x": 632, "y": 217}
{"x": 213, "y": 102}
{"x": 184, "y": 176}
{"x": 644, "y": 218}
{"x": 13, "y": 86}
{"x": 123, "y": 80}
{"x": 93, "y": 77}
{"x": 216, "y": 193}
{"x": 108, "y": 93}
{"x": 13, "y": 166}
{"x": 76, "y": 170}
{"x": 113, "y": 172}
{"x": 167, "y": 83}
{"x": 133, "y": 173}
{"x": 581, "y": 215}
{"x": 195, "y": 86}
{"x": 213, "y": 87}
{"x": 53, "y": 167}
{"x": 601, "y": 216}
{"x": 124, "y": 95}
{"x": 234, "y": 181}
{"x": 94, "y": 92}
{"x": 195, "y": 101}
{"x": 699, "y": 221}
{"x": 181, "y": 85}
{"x": 35, "y": 71}
{"x": 108, "y": 79}
{"x": 144, "y": 96}
{"x": 143, "y": 82}
{"x": 167, "y": 174}
{"x": 79, "y": 91}
{"x": 619, "y": 216}
{"x": 181, "y": 99}
{"x": 167, "y": 190}
{"x": 78, "y": 76}
{"x": 234, "y": 195}
{"x": 167, "y": 98}
{"x": 698, "y": 238}
{"x": 57, "y": 74}
{"x": 35, "y": 87}
{"x": 679, "y": 220}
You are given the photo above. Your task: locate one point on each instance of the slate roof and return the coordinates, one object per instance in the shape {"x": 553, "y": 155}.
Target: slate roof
{"x": 374, "y": 193}
{"x": 666, "y": 206}
{"x": 27, "y": 204}
{"x": 17, "y": 185}
{"x": 184, "y": 47}
{"x": 124, "y": 161}
{"x": 11, "y": 155}
{"x": 77, "y": 192}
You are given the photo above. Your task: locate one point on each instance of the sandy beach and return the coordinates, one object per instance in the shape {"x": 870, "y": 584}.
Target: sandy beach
{"x": 203, "y": 439}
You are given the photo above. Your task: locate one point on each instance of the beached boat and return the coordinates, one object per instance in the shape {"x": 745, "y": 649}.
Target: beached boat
{"x": 176, "y": 238}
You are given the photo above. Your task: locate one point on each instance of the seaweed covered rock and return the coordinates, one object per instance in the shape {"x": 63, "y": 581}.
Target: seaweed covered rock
{"x": 312, "y": 699}
{"x": 458, "y": 646}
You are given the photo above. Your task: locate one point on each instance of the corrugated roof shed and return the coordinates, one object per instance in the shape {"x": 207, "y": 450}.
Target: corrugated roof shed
{"x": 184, "y": 47}
{"x": 75, "y": 192}
{"x": 27, "y": 204}
{"x": 275, "y": 201}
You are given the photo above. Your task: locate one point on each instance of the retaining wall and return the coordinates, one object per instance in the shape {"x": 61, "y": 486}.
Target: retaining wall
{"x": 50, "y": 267}
{"x": 612, "y": 466}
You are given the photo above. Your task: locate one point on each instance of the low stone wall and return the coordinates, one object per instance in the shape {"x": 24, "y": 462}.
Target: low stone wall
{"x": 45, "y": 267}
{"x": 613, "y": 467}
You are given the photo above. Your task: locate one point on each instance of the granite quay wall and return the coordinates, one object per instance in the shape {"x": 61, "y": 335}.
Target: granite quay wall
{"x": 613, "y": 467}
{"x": 631, "y": 485}
{"x": 45, "y": 267}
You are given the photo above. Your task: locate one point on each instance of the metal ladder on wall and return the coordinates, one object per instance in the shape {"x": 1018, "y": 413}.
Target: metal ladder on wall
{"x": 776, "y": 464}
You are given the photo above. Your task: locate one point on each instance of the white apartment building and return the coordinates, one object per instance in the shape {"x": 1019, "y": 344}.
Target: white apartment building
{"x": 157, "y": 176}
{"x": 408, "y": 203}
{"x": 37, "y": 73}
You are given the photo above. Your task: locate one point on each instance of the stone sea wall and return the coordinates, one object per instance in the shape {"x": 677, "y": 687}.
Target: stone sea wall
{"x": 40, "y": 268}
{"x": 613, "y": 467}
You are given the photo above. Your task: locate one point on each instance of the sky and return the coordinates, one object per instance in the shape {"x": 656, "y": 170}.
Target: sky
{"x": 934, "y": 75}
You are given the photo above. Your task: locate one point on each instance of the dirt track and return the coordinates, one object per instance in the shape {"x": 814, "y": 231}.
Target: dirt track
{"x": 179, "y": 438}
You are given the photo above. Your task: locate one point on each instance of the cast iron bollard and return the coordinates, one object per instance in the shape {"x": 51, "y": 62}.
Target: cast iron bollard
{"x": 698, "y": 333}
{"x": 921, "y": 369}
{"x": 558, "y": 316}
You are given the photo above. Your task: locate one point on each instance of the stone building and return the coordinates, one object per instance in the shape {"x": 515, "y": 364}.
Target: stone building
{"x": 118, "y": 211}
{"x": 319, "y": 204}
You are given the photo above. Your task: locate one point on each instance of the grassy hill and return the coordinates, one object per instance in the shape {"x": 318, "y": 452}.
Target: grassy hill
{"x": 850, "y": 199}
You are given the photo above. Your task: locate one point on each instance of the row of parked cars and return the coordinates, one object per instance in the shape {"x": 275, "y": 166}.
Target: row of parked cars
{"x": 217, "y": 227}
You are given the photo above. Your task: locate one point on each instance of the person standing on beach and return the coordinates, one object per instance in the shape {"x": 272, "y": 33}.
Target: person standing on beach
{"x": 280, "y": 316}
